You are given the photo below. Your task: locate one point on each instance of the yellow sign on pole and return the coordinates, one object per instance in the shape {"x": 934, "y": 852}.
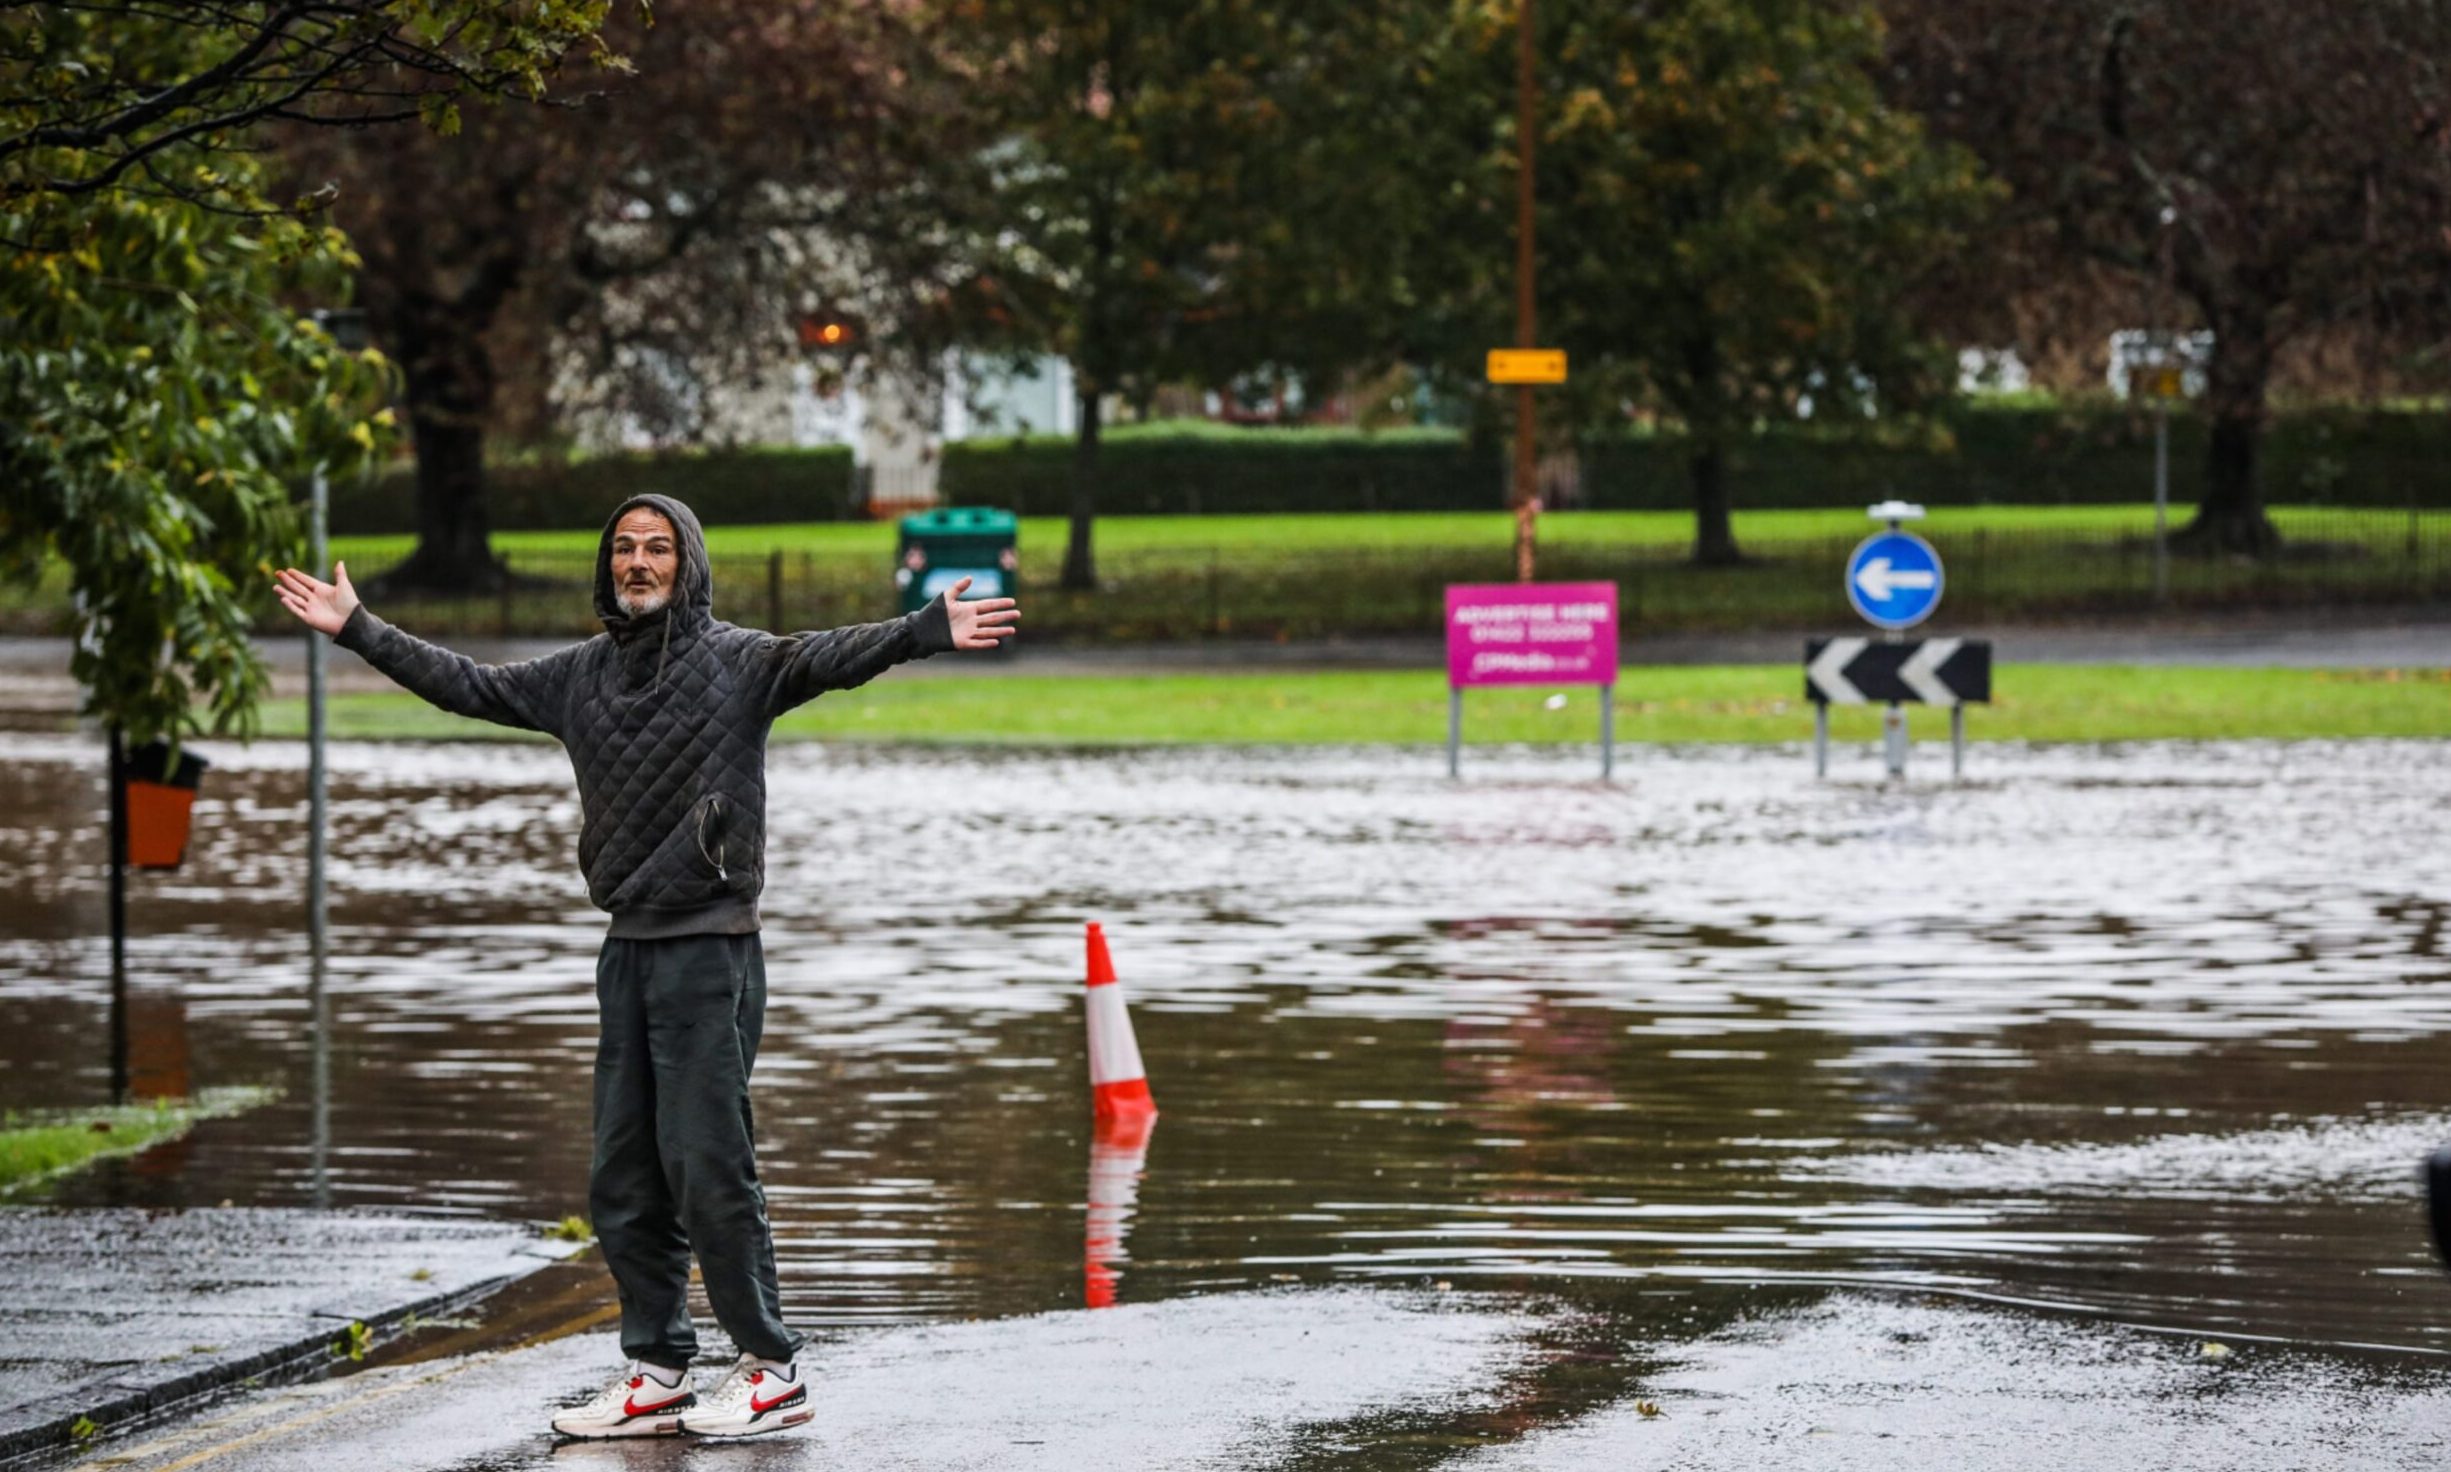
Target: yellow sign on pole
{"x": 1527, "y": 365}
{"x": 2164, "y": 381}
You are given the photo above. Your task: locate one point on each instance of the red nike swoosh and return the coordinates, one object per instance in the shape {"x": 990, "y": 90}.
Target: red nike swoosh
{"x": 761, "y": 1407}
{"x": 631, "y": 1407}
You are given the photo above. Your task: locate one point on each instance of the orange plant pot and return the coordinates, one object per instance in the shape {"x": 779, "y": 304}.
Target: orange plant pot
{"x": 161, "y": 803}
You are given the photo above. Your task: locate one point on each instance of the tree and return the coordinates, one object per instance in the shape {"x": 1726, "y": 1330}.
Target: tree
{"x": 164, "y": 385}
{"x": 155, "y": 398}
{"x": 1184, "y": 188}
{"x": 2287, "y": 166}
{"x": 158, "y": 387}
{"x": 129, "y": 96}
{"x": 672, "y": 223}
{"x": 1731, "y": 223}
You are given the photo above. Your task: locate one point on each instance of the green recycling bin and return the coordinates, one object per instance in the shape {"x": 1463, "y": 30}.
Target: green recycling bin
{"x": 940, "y": 548}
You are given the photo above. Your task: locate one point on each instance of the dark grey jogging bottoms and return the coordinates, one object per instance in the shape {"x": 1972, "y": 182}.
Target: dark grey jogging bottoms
{"x": 674, "y": 1169}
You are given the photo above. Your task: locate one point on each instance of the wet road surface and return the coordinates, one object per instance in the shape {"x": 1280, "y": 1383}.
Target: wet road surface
{"x": 1346, "y": 1378}
{"x": 2147, "y": 1037}
{"x": 1873, "y": 1384}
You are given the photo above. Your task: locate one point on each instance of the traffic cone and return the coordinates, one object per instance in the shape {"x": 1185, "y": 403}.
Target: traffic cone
{"x": 1118, "y": 1084}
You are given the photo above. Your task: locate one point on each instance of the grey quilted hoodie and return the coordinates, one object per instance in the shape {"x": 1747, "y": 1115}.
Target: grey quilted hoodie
{"x": 665, "y": 718}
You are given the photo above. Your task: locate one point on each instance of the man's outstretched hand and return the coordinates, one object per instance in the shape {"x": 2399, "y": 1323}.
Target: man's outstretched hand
{"x": 984, "y": 624}
{"x": 324, "y": 607}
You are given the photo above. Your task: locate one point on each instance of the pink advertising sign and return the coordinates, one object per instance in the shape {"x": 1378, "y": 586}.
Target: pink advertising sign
{"x": 1531, "y": 634}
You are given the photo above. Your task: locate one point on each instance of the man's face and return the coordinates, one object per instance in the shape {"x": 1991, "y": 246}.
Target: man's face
{"x": 646, "y": 561}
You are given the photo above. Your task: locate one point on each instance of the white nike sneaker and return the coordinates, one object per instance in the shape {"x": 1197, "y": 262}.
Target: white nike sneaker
{"x": 638, "y": 1402}
{"x": 755, "y": 1398}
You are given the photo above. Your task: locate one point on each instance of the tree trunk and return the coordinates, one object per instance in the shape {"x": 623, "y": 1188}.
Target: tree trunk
{"x": 1705, "y": 414}
{"x": 2231, "y": 516}
{"x": 448, "y": 382}
{"x": 1714, "y": 528}
{"x": 1080, "y": 562}
{"x": 453, "y": 551}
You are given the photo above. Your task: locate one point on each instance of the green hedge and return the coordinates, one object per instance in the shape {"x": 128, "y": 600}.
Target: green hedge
{"x": 734, "y": 488}
{"x": 1980, "y": 455}
{"x": 1195, "y": 468}
{"x": 1973, "y": 455}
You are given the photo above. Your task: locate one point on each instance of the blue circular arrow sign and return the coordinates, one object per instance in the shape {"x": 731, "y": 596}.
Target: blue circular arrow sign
{"x": 1894, "y": 579}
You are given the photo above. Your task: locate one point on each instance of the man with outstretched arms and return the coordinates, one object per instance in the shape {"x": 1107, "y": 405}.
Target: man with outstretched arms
{"x": 665, "y": 716}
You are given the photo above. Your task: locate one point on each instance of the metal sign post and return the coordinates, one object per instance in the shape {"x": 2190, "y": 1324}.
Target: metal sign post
{"x": 348, "y": 327}
{"x": 318, "y": 943}
{"x": 2164, "y": 381}
{"x": 1858, "y": 671}
{"x": 2161, "y": 501}
{"x": 153, "y": 798}
{"x": 119, "y": 916}
{"x": 2161, "y": 368}
{"x": 1532, "y": 634}
{"x": 1608, "y": 730}
{"x": 2167, "y": 383}
{"x": 1894, "y": 581}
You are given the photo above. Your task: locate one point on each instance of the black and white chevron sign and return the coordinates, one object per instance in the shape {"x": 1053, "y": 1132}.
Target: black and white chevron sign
{"x": 1929, "y": 671}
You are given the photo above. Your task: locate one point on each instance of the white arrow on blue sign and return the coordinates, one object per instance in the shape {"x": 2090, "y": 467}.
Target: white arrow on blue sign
{"x": 1894, "y": 579}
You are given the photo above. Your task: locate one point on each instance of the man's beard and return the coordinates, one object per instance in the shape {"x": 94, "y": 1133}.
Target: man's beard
{"x": 643, "y": 604}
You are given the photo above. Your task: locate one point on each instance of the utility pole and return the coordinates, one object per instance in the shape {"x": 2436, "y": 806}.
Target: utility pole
{"x": 1527, "y": 502}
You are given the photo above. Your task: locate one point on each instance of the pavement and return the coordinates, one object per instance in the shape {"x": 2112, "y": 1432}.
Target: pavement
{"x": 121, "y": 1315}
{"x": 1357, "y": 1379}
{"x": 1229, "y": 1380}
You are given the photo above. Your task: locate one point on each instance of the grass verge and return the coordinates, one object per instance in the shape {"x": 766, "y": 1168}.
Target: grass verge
{"x": 1728, "y": 703}
{"x": 1326, "y": 574}
{"x": 37, "y": 1145}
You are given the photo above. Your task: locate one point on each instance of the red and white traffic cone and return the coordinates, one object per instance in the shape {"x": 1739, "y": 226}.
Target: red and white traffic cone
{"x": 1118, "y": 1084}
{"x": 1119, "y": 1140}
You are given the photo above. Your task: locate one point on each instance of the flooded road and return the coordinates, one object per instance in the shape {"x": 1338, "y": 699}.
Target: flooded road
{"x": 2154, "y": 1035}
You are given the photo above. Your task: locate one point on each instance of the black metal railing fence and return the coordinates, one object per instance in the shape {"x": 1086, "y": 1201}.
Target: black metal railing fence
{"x": 2333, "y": 557}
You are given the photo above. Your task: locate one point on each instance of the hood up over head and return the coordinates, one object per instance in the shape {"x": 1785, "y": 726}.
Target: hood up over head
{"x": 693, "y": 593}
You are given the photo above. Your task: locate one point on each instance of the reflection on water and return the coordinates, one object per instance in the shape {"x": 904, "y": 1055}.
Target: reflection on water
{"x": 157, "y": 1046}
{"x": 1118, "y": 1153}
{"x": 2142, "y": 1031}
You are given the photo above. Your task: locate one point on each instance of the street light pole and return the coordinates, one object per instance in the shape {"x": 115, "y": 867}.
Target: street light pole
{"x": 1527, "y": 504}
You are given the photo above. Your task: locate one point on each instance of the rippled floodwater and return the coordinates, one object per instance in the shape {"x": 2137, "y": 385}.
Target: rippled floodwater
{"x": 2153, "y": 1033}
